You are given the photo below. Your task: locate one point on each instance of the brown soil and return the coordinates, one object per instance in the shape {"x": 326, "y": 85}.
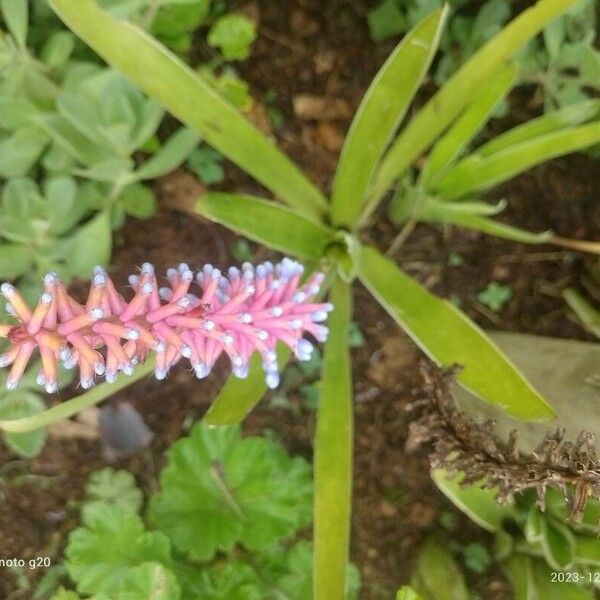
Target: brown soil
{"x": 325, "y": 51}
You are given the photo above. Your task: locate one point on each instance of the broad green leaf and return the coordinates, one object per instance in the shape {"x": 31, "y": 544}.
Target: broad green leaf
{"x": 175, "y": 151}
{"x": 453, "y": 143}
{"x": 91, "y": 245}
{"x": 558, "y": 544}
{"x": 100, "y": 555}
{"x": 64, "y": 211}
{"x": 15, "y": 15}
{"x": 477, "y": 503}
{"x": 333, "y": 453}
{"x": 381, "y": 111}
{"x": 436, "y": 574}
{"x": 274, "y": 225}
{"x": 219, "y": 489}
{"x": 457, "y": 213}
{"x": 150, "y": 581}
{"x": 475, "y": 173}
{"x": 23, "y": 404}
{"x": 73, "y": 142}
{"x": 58, "y": 49}
{"x": 108, "y": 170}
{"x": 447, "y": 336}
{"x": 519, "y": 573}
{"x": 20, "y": 150}
{"x": 222, "y": 580}
{"x": 456, "y": 94}
{"x": 114, "y": 488}
{"x": 174, "y": 85}
{"x": 552, "y": 122}
{"x": 138, "y": 201}
{"x": 16, "y": 113}
{"x": 15, "y": 260}
{"x": 238, "y": 397}
{"x": 587, "y": 550}
{"x": 63, "y": 594}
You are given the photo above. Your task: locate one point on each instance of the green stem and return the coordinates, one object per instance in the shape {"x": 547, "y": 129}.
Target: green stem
{"x": 71, "y": 407}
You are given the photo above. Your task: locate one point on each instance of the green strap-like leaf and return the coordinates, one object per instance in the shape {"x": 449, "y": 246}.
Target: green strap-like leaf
{"x": 477, "y": 503}
{"x": 239, "y": 396}
{"x": 188, "y": 97}
{"x": 436, "y": 211}
{"x": 448, "y": 336}
{"x": 379, "y": 114}
{"x": 272, "y": 224}
{"x": 452, "y": 98}
{"x": 475, "y": 173}
{"x": 557, "y": 120}
{"x": 176, "y": 149}
{"x": 333, "y": 454}
{"x": 459, "y": 136}
{"x": 586, "y": 313}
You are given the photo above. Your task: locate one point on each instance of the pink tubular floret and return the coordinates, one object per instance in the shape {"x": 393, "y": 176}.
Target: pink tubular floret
{"x": 249, "y": 310}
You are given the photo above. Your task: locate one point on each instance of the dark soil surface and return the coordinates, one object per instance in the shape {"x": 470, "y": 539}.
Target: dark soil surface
{"x": 325, "y": 51}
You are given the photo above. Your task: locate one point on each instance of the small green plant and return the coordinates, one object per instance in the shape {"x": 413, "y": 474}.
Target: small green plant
{"x": 224, "y": 525}
{"x": 495, "y": 296}
{"x": 206, "y": 164}
{"x": 564, "y": 63}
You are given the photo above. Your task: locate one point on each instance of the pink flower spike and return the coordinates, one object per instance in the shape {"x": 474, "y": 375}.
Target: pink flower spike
{"x": 247, "y": 311}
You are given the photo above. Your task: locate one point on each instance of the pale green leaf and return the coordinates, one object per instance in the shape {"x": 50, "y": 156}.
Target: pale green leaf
{"x": 447, "y": 336}
{"x": 91, "y": 245}
{"x": 20, "y": 150}
{"x": 23, "y": 404}
{"x": 382, "y": 109}
{"x": 477, "y": 503}
{"x": 15, "y": 260}
{"x": 233, "y": 34}
{"x": 174, "y": 152}
{"x": 274, "y": 225}
{"x": 436, "y": 574}
{"x": 189, "y": 98}
{"x": 15, "y": 14}
{"x": 333, "y": 453}
{"x": 150, "y": 581}
{"x": 138, "y": 201}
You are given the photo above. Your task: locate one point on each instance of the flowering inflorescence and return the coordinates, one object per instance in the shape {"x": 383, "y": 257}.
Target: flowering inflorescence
{"x": 247, "y": 311}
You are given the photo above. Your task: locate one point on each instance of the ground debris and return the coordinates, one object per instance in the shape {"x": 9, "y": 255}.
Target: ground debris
{"x": 460, "y": 443}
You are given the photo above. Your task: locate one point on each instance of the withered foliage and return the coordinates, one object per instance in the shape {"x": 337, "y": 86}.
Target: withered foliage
{"x": 459, "y": 443}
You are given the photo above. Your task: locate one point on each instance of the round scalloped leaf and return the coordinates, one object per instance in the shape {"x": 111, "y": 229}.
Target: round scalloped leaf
{"x": 219, "y": 489}
{"x": 101, "y": 555}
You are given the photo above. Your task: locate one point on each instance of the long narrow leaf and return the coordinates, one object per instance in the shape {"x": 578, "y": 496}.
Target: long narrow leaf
{"x": 333, "y": 455}
{"x": 448, "y": 103}
{"x": 272, "y": 224}
{"x": 187, "y": 96}
{"x": 452, "y": 144}
{"x": 454, "y": 213}
{"x": 557, "y": 120}
{"x": 447, "y": 336}
{"x": 239, "y": 396}
{"x": 475, "y": 173}
{"x": 379, "y": 114}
